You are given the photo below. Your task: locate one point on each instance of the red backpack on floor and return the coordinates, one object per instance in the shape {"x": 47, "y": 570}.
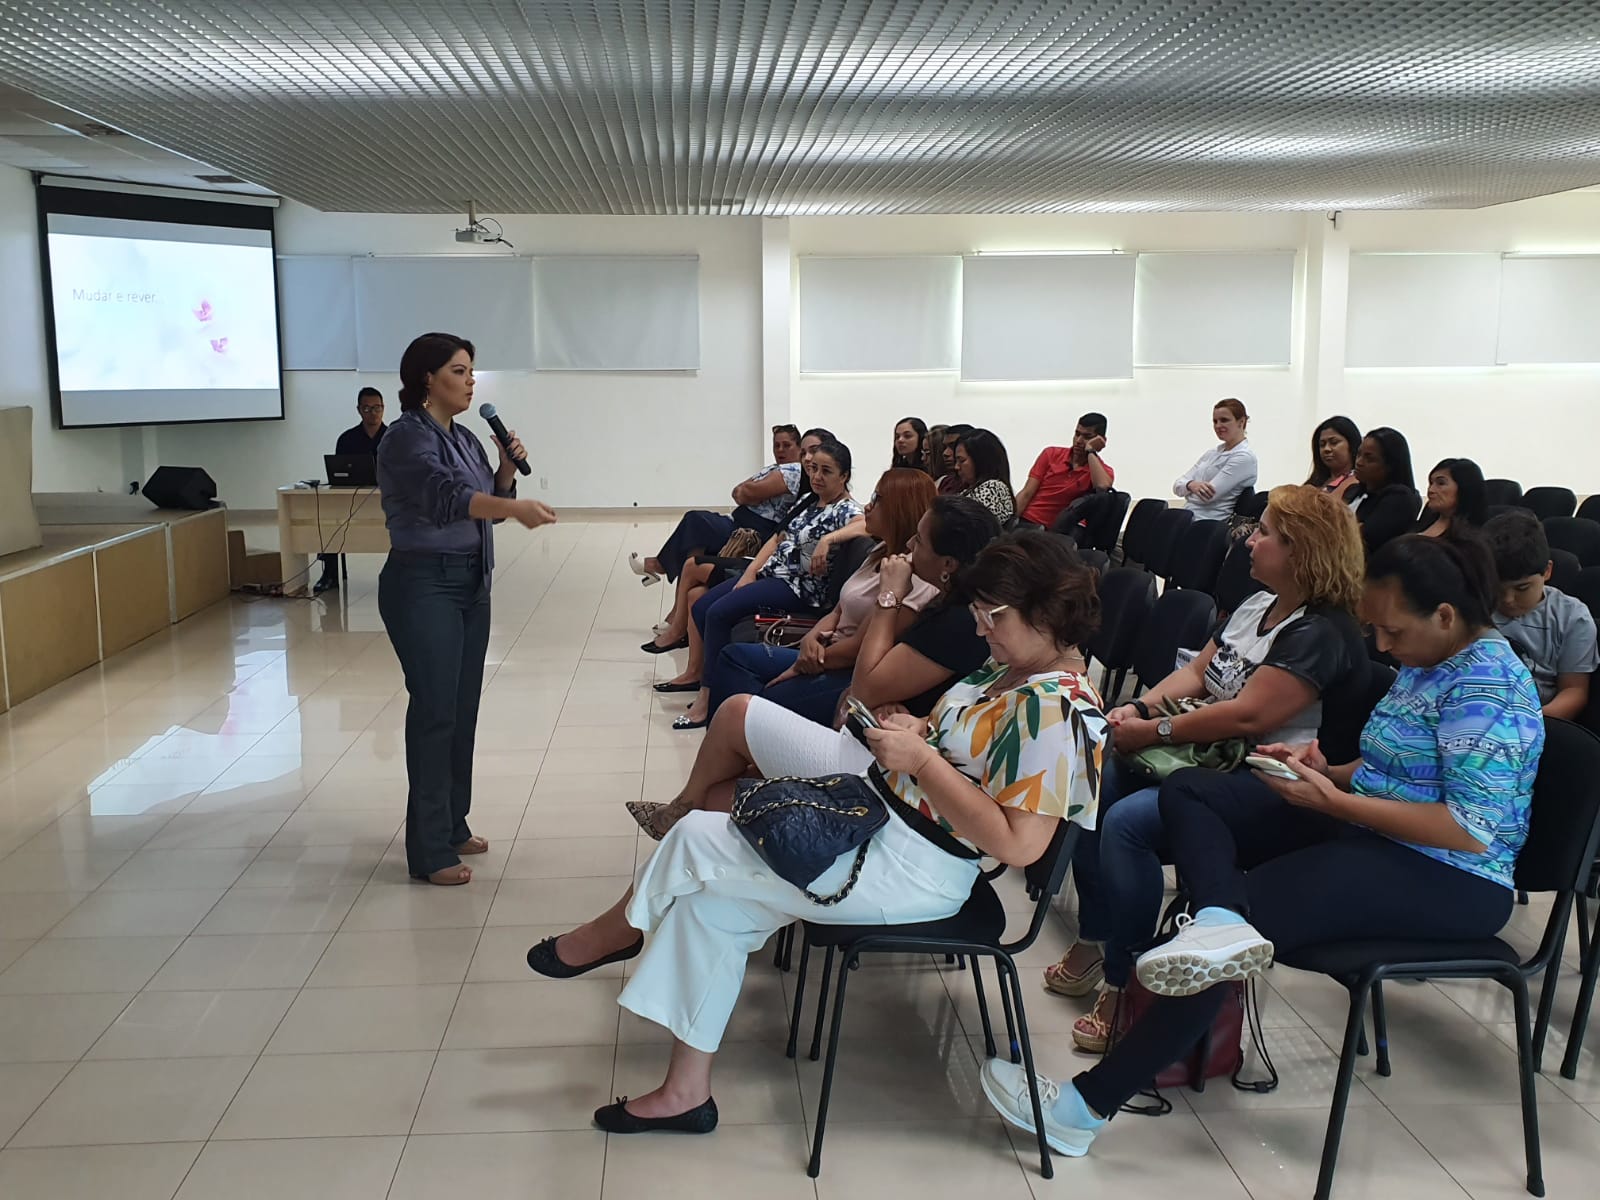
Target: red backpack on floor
{"x": 1219, "y": 1053}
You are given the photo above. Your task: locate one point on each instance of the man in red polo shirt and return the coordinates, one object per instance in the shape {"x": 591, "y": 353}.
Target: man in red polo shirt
{"x": 1062, "y": 474}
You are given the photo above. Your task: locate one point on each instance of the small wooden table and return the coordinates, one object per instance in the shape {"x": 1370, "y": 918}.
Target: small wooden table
{"x": 329, "y": 520}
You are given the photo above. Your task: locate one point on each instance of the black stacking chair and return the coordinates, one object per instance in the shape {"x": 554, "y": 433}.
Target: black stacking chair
{"x": 1576, "y": 535}
{"x": 1589, "y": 510}
{"x": 1235, "y": 584}
{"x": 975, "y": 933}
{"x": 1502, "y": 491}
{"x": 1558, "y": 857}
{"x": 1587, "y": 589}
{"x": 1170, "y": 526}
{"x": 1564, "y": 570}
{"x": 1197, "y": 560}
{"x": 1181, "y": 620}
{"x": 1251, "y": 505}
{"x": 1549, "y": 501}
{"x": 1126, "y": 597}
{"x": 1141, "y": 524}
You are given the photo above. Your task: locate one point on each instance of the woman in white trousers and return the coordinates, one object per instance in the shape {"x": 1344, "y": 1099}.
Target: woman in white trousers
{"x": 1008, "y": 752}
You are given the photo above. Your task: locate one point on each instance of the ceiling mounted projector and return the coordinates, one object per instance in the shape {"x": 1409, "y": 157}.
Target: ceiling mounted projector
{"x": 477, "y": 233}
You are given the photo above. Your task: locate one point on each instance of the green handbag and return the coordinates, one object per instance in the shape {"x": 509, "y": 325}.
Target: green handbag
{"x": 1157, "y": 762}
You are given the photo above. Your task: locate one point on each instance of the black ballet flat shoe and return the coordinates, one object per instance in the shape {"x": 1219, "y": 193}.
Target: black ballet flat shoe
{"x": 542, "y": 957}
{"x": 650, "y": 647}
{"x": 683, "y": 724}
{"x": 669, "y": 686}
{"x": 615, "y": 1118}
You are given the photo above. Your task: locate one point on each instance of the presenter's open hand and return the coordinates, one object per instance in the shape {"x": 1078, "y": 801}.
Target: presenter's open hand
{"x": 533, "y": 513}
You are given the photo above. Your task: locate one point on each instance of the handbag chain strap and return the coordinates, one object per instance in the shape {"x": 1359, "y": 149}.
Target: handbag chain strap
{"x": 833, "y": 781}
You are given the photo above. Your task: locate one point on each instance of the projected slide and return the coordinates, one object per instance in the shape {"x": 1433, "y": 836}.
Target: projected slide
{"x": 144, "y": 315}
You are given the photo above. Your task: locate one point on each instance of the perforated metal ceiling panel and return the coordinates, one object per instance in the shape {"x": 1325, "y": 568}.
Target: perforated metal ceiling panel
{"x": 840, "y": 106}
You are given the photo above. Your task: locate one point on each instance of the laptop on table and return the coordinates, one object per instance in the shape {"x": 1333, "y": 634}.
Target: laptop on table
{"x": 351, "y": 470}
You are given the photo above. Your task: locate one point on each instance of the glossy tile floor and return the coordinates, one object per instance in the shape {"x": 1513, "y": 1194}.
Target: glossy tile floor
{"x": 216, "y": 980}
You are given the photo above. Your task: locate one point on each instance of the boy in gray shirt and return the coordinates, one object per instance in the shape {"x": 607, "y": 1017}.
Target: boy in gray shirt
{"x": 1552, "y": 632}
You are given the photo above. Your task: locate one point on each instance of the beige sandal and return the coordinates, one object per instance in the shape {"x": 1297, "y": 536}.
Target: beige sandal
{"x": 450, "y": 876}
{"x": 473, "y": 845}
{"x": 1092, "y": 1031}
{"x": 1058, "y": 978}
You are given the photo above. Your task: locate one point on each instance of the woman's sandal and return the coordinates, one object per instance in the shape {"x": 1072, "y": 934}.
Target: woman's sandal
{"x": 1092, "y": 1031}
{"x": 543, "y": 959}
{"x": 473, "y": 845}
{"x": 648, "y": 814}
{"x": 449, "y": 876}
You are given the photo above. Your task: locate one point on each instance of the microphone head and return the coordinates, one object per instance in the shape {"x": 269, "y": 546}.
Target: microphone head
{"x": 487, "y": 411}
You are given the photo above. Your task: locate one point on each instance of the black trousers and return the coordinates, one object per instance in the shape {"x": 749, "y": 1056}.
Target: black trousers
{"x": 1302, "y": 878}
{"x": 435, "y": 608}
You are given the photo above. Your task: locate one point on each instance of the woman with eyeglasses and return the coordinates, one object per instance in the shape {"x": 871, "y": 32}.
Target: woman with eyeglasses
{"x": 707, "y": 899}
{"x": 899, "y": 667}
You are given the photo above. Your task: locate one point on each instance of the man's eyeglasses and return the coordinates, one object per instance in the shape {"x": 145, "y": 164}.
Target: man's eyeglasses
{"x": 365, "y": 409}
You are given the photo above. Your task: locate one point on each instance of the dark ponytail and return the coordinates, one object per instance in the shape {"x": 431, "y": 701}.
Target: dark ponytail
{"x": 424, "y": 356}
{"x": 1430, "y": 572}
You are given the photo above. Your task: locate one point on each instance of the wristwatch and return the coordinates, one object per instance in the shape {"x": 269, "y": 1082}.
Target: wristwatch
{"x": 888, "y": 600}
{"x": 1164, "y": 730}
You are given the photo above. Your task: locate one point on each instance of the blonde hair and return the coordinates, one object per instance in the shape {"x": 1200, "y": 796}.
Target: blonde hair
{"x": 1325, "y": 550}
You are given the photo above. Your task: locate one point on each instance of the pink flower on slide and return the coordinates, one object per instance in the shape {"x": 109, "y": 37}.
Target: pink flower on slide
{"x": 220, "y": 345}
{"x": 204, "y": 312}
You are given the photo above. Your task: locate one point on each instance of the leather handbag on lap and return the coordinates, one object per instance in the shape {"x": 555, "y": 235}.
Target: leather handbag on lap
{"x": 800, "y": 827}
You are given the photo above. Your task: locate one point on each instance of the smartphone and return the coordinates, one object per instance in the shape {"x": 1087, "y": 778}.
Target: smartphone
{"x": 862, "y": 713}
{"x": 1275, "y": 767}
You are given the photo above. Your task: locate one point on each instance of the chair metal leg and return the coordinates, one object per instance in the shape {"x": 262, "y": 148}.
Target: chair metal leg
{"x": 799, "y": 998}
{"x": 1380, "y": 1028}
{"x": 983, "y": 1008}
{"x": 1004, "y": 966}
{"x": 1547, "y": 1006}
{"x": 1583, "y": 928}
{"x": 822, "y": 1002}
{"x": 781, "y": 947}
{"x": 1005, "y": 1008}
{"x": 1522, "y": 897}
{"x": 1530, "y": 1100}
{"x": 1580, "y": 1018}
{"x": 1354, "y": 1031}
{"x": 814, "y": 1168}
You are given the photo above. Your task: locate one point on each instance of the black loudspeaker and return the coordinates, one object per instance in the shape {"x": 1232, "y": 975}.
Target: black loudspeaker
{"x": 180, "y": 487}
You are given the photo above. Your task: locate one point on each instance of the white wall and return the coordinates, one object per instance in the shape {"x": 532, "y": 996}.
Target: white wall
{"x": 649, "y": 438}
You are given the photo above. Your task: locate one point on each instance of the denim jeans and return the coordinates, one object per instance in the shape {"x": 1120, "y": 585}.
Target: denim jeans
{"x": 1117, "y": 871}
{"x": 724, "y": 606}
{"x": 435, "y": 608}
{"x": 747, "y": 669}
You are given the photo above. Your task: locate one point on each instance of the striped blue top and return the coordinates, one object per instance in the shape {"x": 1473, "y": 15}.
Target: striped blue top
{"x": 1466, "y": 733}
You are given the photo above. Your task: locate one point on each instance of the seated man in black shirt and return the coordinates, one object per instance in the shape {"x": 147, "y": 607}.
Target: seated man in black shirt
{"x": 358, "y": 439}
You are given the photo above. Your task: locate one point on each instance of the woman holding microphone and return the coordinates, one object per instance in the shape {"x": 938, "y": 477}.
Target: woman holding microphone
{"x": 440, "y": 496}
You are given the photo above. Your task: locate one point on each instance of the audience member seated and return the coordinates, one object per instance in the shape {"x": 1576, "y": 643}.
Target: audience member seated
{"x": 1385, "y": 498}
{"x": 985, "y": 471}
{"x": 947, "y": 476}
{"x": 693, "y": 577}
{"x": 1334, "y": 445}
{"x": 1284, "y": 668}
{"x": 1213, "y": 485}
{"x": 933, "y": 438}
{"x": 1553, "y": 633}
{"x": 779, "y": 577}
{"x": 1457, "y": 499}
{"x": 708, "y": 899}
{"x": 361, "y": 438}
{"x": 909, "y": 434}
{"x": 809, "y": 678}
{"x": 1417, "y": 839}
{"x": 898, "y": 668}
{"x": 1062, "y": 474}
{"x": 767, "y": 497}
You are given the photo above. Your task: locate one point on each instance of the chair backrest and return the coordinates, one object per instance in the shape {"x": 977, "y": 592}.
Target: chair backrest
{"x": 1044, "y": 878}
{"x": 1579, "y": 536}
{"x": 1564, "y": 570}
{"x": 1235, "y": 584}
{"x": 1097, "y": 560}
{"x": 1549, "y": 501}
{"x": 1502, "y": 491}
{"x": 845, "y": 561}
{"x": 1587, "y": 589}
{"x": 1136, "y": 537}
{"x": 1126, "y": 597}
{"x": 1252, "y": 505}
{"x": 1169, "y": 527}
{"x": 1106, "y": 524}
{"x": 1197, "y": 559}
{"x": 1589, "y": 510}
{"x": 1564, "y": 823}
{"x": 1181, "y": 619}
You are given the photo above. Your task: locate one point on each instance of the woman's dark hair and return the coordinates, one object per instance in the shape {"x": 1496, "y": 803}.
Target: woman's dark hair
{"x": 423, "y": 357}
{"x": 792, "y": 430}
{"x": 1396, "y": 453}
{"x": 961, "y": 528}
{"x": 1345, "y": 428}
{"x": 1472, "y": 495}
{"x": 1457, "y": 570}
{"x": 988, "y": 455}
{"x": 1043, "y": 580}
{"x": 839, "y": 452}
{"x": 913, "y": 460}
{"x": 825, "y": 434}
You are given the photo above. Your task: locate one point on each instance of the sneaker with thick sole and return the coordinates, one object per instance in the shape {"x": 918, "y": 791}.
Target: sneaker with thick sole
{"x": 1201, "y": 956}
{"x": 1006, "y": 1085}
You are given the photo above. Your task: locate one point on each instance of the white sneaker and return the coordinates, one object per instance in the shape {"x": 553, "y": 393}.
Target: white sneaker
{"x": 1006, "y": 1085}
{"x": 636, "y": 565}
{"x": 1201, "y": 956}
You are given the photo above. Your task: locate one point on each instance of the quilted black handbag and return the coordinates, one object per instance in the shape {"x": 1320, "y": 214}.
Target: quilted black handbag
{"x": 800, "y": 827}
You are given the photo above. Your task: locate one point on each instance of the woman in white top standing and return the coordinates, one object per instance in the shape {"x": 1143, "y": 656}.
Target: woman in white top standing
{"x": 1213, "y": 485}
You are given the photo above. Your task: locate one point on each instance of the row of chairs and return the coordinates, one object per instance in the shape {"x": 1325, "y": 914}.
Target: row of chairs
{"x": 1543, "y": 502}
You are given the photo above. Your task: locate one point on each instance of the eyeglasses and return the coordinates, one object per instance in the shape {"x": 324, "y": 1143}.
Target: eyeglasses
{"x": 369, "y": 408}
{"x": 984, "y": 617}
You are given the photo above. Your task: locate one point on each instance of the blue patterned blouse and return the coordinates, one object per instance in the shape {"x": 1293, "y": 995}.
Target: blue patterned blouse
{"x": 1467, "y": 733}
{"x": 791, "y": 561}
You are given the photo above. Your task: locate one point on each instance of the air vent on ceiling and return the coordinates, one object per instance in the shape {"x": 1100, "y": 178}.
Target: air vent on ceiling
{"x": 95, "y": 129}
{"x": 219, "y": 179}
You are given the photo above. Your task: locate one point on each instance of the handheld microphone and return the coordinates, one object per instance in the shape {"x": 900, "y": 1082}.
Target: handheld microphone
{"x": 498, "y": 428}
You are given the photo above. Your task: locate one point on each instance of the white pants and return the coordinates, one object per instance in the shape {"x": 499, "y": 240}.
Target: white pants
{"x": 784, "y": 743}
{"x": 710, "y": 901}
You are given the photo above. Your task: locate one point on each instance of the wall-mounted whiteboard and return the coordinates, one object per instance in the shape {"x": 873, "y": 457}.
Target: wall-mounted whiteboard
{"x": 879, "y": 314}
{"x": 1232, "y": 309}
{"x": 487, "y": 300}
{"x": 1549, "y": 308}
{"x": 616, "y": 313}
{"x": 317, "y": 313}
{"x": 1422, "y": 310}
{"x": 1047, "y": 316}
